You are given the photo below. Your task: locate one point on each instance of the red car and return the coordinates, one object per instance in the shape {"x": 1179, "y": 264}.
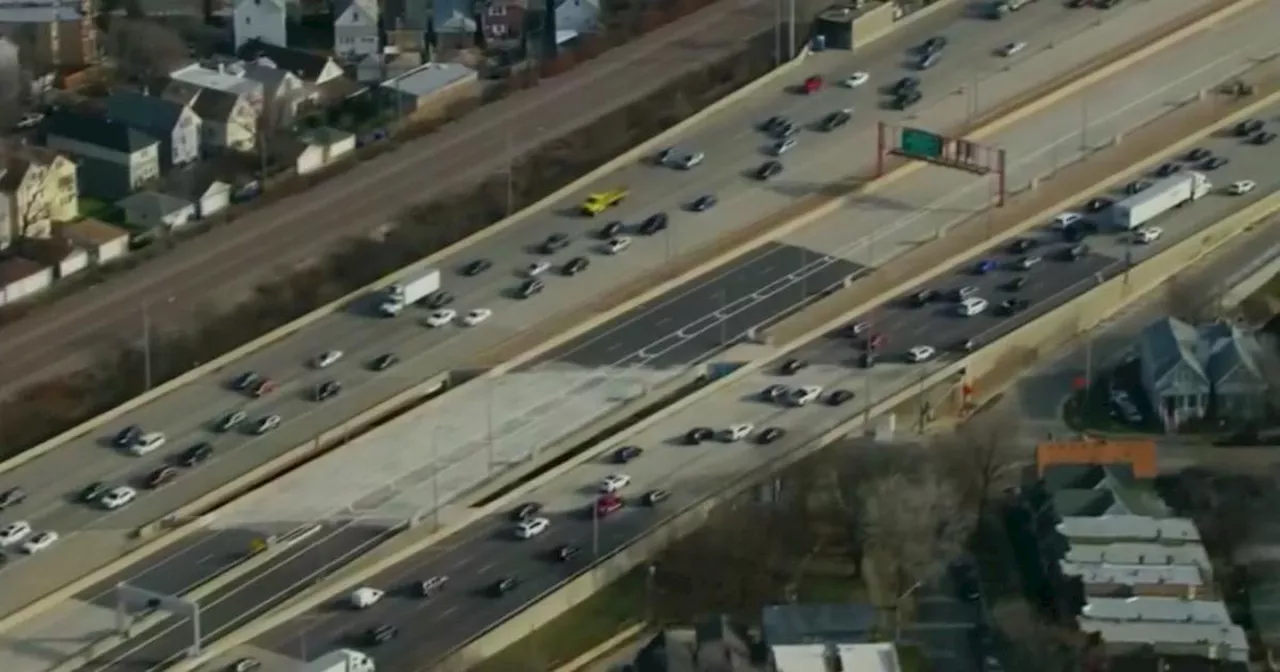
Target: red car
{"x": 264, "y": 387}
{"x": 607, "y": 504}
{"x": 875, "y": 342}
{"x": 812, "y": 84}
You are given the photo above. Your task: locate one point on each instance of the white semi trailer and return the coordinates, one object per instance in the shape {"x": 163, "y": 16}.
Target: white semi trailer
{"x": 1159, "y": 198}
{"x": 341, "y": 660}
{"x": 403, "y": 294}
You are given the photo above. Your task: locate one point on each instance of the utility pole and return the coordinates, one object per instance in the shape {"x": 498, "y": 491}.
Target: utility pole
{"x": 146, "y": 346}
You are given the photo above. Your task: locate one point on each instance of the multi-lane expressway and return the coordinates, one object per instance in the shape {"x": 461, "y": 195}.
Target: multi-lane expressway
{"x": 489, "y": 551}
{"x": 1060, "y": 40}
{"x": 690, "y": 472}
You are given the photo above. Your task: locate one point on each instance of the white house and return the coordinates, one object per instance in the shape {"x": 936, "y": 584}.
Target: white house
{"x": 201, "y": 185}
{"x": 264, "y": 20}
{"x": 314, "y": 70}
{"x": 355, "y": 30}
{"x": 175, "y": 125}
{"x": 152, "y": 209}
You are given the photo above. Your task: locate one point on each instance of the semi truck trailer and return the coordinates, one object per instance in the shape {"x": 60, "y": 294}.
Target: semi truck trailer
{"x": 341, "y": 660}
{"x": 1159, "y": 198}
{"x": 401, "y": 295}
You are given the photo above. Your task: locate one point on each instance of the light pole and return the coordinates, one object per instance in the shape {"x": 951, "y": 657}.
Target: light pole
{"x": 897, "y": 609}
{"x": 146, "y": 346}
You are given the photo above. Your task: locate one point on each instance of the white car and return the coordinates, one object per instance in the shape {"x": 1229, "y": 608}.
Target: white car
{"x": 614, "y": 482}
{"x": 40, "y": 542}
{"x": 857, "y": 79}
{"x": 14, "y": 532}
{"x": 783, "y": 146}
{"x": 441, "y": 318}
{"x": 116, "y": 498}
{"x": 738, "y": 432}
{"x": 971, "y": 306}
{"x": 1066, "y": 219}
{"x": 267, "y": 424}
{"x": 618, "y": 244}
{"x": 528, "y": 529}
{"x": 148, "y": 442}
{"x": 327, "y": 359}
{"x": 921, "y": 353}
{"x": 1147, "y": 234}
{"x": 1012, "y": 48}
{"x": 477, "y": 316}
{"x": 1242, "y": 187}
{"x": 691, "y": 160}
{"x": 538, "y": 268}
{"x": 365, "y": 597}
{"x": 802, "y": 396}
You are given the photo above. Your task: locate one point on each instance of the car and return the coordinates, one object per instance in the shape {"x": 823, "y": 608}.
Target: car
{"x": 381, "y": 634}
{"x": 565, "y": 552}
{"x": 785, "y": 131}
{"x": 384, "y": 361}
{"x": 907, "y": 99}
{"x": 537, "y": 268}
{"x": 1241, "y": 187}
{"x": 365, "y": 597}
{"x": 1075, "y": 252}
{"x": 1147, "y": 234}
{"x": 1014, "y": 284}
{"x": 1168, "y": 169}
{"x": 29, "y": 120}
{"x": 244, "y": 381}
{"x": 655, "y": 497}
{"x": 438, "y": 300}
{"x": 793, "y": 366}
{"x": 148, "y": 443}
{"x": 873, "y": 342}
{"x": 625, "y": 454}
{"x": 927, "y": 61}
{"x": 803, "y": 396}
{"x": 1249, "y": 127}
{"x": 689, "y": 161}
{"x": 737, "y": 432}
{"x": 920, "y": 353}
{"x": 1012, "y": 49}
{"x": 839, "y": 397}
{"x": 196, "y": 454}
{"x": 772, "y": 123}
{"x": 972, "y": 306}
{"x": 923, "y": 297}
{"x": 246, "y": 665}
{"x": 610, "y": 230}
{"x": 775, "y": 393}
{"x": 607, "y": 504}
{"x": 1214, "y": 163}
{"x": 703, "y": 203}
{"x": 39, "y": 542}
{"x": 554, "y": 243}
{"x": 528, "y": 529}
{"x": 14, "y": 532}
{"x": 1137, "y": 187}
{"x": 162, "y": 476}
{"x": 836, "y": 119}
{"x": 857, "y": 328}
{"x": 127, "y": 436}
{"x": 575, "y": 266}
{"x": 430, "y": 586}
{"x": 476, "y": 316}
{"x": 525, "y": 511}
{"x": 263, "y": 388}
{"x": 477, "y": 267}
{"x": 617, "y": 245}
{"x": 326, "y": 390}
{"x": 1264, "y": 138}
{"x": 782, "y": 146}
{"x": 530, "y": 287}
{"x": 598, "y": 202}
{"x": 93, "y": 492}
{"x": 1198, "y": 154}
{"x": 231, "y": 420}
{"x": 664, "y": 157}
{"x": 503, "y": 586}
{"x": 267, "y": 424}
{"x": 904, "y": 86}
{"x": 770, "y": 434}
{"x": 1098, "y": 204}
{"x": 698, "y": 435}
{"x": 1013, "y": 306}
{"x": 614, "y": 482}
{"x": 1021, "y": 245}
{"x": 768, "y": 170}
{"x": 933, "y": 45}
{"x": 1073, "y": 234}
{"x": 984, "y": 267}
{"x": 856, "y": 79}
{"x": 812, "y": 84}
{"x": 12, "y": 497}
{"x": 963, "y": 292}
{"x": 1066, "y": 219}
{"x": 327, "y": 359}
{"x": 1028, "y": 262}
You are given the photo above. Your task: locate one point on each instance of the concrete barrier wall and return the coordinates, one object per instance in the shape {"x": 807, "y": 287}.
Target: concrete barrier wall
{"x": 603, "y": 649}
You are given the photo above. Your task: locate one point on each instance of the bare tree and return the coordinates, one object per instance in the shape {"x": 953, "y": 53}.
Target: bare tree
{"x": 1190, "y": 301}
{"x": 143, "y": 50}
{"x": 980, "y": 456}
{"x": 1036, "y": 643}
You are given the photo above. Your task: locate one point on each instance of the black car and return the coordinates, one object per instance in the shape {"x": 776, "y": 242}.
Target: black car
{"x": 438, "y": 300}
{"x": 554, "y": 243}
{"x": 1136, "y": 186}
{"x": 867, "y": 359}
{"x": 698, "y": 435}
{"x": 1013, "y": 306}
{"x": 1015, "y": 284}
{"x": 923, "y": 297}
{"x": 1075, "y": 252}
{"x": 575, "y": 266}
{"x": 1264, "y": 138}
{"x": 381, "y": 634}
{"x": 1021, "y": 245}
{"x": 655, "y": 497}
{"x": 907, "y": 99}
{"x": 93, "y": 492}
{"x": 770, "y": 434}
{"x": 1073, "y": 233}
{"x": 431, "y": 586}
{"x": 838, "y": 397}
{"x": 503, "y": 586}
{"x": 1097, "y": 204}
{"x": 1249, "y": 127}
{"x": 933, "y": 45}
{"x": 244, "y": 381}
{"x": 161, "y": 476}
{"x": 477, "y": 267}
{"x": 793, "y": 366}
{"x": 565, "y": 553}
{"x": 773, "y": 123}
{"x": 905, "y": 85}
{"x": 703, "y": 203}
{"x": 1168, "y": 169}
{"x": 327, "y": 390}
{"x": 835, "y": 120}
{"x": 530, "y": 287}
{"x": 784, "y": 131}
{"x": 655, "y": 223}
{"x": 384, "y": 362}
{"x": 196, "y": 454}
{"x": 1214, "y": 163}
{"x": 1199, "y": 154}
{"x": 768, "y": 169}
{"x": 12, "y": 497}
{"x": 611, "y": 230}
{"x": 525, "y": 511}
{"x": 625, "y": 454}
{"x": 127, "y": 436}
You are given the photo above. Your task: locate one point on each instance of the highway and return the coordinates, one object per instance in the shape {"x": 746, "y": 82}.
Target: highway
{"x": 937, "y": 326}
{"x": 187, "y": 415}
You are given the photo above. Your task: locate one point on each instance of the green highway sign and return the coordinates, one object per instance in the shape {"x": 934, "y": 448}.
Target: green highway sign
{"x": 926, "y": 145}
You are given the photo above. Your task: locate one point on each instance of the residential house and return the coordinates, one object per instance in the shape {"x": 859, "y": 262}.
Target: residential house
{"x": 39, "y": 187}
{"x": 454, "y": 24}
{"x": 175, "y": 125}
{"x": 430, "y": 90}
{"x": 21, "y": 279}
{"x": 150, "y": 210}
{"x": 103, "y": 242}
{"x": 228, "y": 104}
{"x": 1210, "y": 372}
{"x": 356, "y": 33}
{"x": 64, "y": 258}
{"x": 1174, "y": 626}
{"x": 502, "y": 22}
{"x": 60, "y": 33}
{"x": 264, "y": 20}
{"x": 314, "y": 70}
{"x": 283, "y": 93}
{"x": 201, "y": 185}
{"x": 113, "y": 160}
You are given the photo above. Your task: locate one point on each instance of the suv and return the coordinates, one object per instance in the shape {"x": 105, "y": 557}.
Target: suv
{"x": 554, "y": 243}
{"x": 575, "y": 266}
{"x": 907, "y": 99}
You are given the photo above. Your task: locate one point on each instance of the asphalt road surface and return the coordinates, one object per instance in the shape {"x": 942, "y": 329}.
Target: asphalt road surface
{"x": 481, "y": 555}
{"x": 187, "y": 415}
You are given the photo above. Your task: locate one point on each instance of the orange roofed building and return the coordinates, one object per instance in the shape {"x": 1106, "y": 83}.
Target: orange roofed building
{"x": 1140, "y": 455}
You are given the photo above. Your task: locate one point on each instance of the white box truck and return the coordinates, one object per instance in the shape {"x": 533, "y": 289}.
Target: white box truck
{"x": 341, "y": 660}
{"x": 1159, "y": 198}
{"x": 401, "y": 295}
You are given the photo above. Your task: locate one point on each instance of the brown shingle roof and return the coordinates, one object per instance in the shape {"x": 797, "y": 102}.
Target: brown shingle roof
{"x": 14, "y": 269}
{"x": 1141, "y": 455}
{"x": 91, "y": 232}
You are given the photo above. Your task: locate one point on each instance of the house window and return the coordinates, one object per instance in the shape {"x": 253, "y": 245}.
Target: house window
{"x": 498, "y": 30}
{"x": 497, "y": 10}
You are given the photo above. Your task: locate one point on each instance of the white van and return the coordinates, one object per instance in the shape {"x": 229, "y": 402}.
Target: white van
{"x": 363, "y": 598}
{"x": 971, "y": 306}
{"x": 148, "y": 443}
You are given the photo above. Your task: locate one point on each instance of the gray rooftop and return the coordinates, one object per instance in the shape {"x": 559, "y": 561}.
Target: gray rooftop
{"x": 1127, "y": 553}
{"x": 94, "y": 130}
{"x": 157, "y": 116}
{"x": 429, "y": 78}
{"x": 1130, "y": 528}
{"x": 817, "y": 623}
{"x": 1156, "y": 609}
{"x": 153, "y": 203}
